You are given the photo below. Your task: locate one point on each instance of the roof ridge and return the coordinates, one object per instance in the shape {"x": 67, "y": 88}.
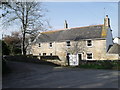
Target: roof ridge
{"x": 69, "y": 28}
{"x": 87, "y": 26}
{"x": 51, "y": 31}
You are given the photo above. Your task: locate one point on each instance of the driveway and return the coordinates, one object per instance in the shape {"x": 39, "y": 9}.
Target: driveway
{"x": 30, "y": 75}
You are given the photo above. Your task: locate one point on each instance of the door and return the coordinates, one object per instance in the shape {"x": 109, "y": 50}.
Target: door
{"x": 67, "y": 57}
{"x": 79, "y": 58}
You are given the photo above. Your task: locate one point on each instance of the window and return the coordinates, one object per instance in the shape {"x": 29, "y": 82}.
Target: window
{"x": 39, "y": 45}
{"x": 89, "y": 55}
{"x": 68, "y": 43}
{"x": 89, "y": 42}
{"x": 50, "y": 54}
{"x": 39, "y": 54}
{"x": 50, "y": 44}
{"x": 44, "y": 54}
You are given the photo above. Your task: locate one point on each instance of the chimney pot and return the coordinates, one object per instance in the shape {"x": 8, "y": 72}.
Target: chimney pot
{"x": 65, "y": 24}
{"x": 106, "y": 15}
{"x": 107, "y": 21}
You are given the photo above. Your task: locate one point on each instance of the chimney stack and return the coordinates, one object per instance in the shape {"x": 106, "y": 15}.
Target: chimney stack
{"x": 106, "y": 21}
{"x": 65, "y": 24}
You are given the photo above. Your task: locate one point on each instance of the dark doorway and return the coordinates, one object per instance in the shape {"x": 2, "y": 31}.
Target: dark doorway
{"x": 79, "y": 58}
{"x": 67, "y": 57}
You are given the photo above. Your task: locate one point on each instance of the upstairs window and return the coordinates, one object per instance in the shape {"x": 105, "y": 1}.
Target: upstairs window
{"x": 89, "y": 43}
{"x": 68, "y": 43}
{"x": 39, "y": 45}
{"x": 89, "y": 56}
{"x": 50, "y": 44}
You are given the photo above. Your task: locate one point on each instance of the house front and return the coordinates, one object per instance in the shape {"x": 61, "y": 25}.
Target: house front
{"x": 87, "y": 43}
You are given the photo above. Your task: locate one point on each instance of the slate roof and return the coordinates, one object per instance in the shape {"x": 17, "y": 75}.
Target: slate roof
{"x": 78, "y": 33}
{"x": 115, "y": 49}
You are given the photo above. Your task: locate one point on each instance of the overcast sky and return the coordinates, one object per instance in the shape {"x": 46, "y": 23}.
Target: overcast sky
{"x": 79, "y": 14}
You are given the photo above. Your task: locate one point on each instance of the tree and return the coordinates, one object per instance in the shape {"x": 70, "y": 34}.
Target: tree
{"x": 29, "y": 16}
{"x": 5, "y": 48}
{"x": 76, "y": 47}
{"x": 14, "y": 42}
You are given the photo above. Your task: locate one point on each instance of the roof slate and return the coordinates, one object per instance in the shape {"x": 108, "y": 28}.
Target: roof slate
{"x": 115, "y": 49}
{"x": 75, "y": 34}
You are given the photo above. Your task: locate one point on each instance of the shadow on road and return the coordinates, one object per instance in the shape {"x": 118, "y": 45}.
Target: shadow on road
{"x": 32, "y": 75}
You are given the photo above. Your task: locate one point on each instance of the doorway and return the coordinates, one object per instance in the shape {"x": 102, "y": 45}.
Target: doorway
{"x": 67, "y": 57}
{"x": 79, "y": 57}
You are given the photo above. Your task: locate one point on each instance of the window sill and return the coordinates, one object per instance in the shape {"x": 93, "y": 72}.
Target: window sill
{"x": 89, "y": 46}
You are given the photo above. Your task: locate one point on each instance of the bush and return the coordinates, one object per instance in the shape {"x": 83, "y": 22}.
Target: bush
{"x": 17, "y": 51}
{"x": 101, "y": 64}
{"x": 5, "y": 49}
{"x": 107, "y": 65}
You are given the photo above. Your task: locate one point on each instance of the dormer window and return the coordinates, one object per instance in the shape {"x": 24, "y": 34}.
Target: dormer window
{"x": 68, "y": 43}
{"x": 50, "y": 44}
{"x": 89, "y": 43}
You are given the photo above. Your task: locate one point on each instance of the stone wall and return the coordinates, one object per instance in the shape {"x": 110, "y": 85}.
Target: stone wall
{"x": 60, "y": 49}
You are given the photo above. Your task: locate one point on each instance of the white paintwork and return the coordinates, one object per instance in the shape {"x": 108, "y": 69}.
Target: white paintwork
{"x": 117, "y": 40}
{"x": 73, "y": 60}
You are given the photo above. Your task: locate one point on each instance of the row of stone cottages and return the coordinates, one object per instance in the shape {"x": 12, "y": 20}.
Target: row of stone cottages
{"x": 93, "y": 42}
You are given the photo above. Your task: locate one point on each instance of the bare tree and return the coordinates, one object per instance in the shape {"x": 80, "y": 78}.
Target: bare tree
{"x": 76, "y": 47}
{"x": 28, "y": 16}
{"x": 13, "y": 41}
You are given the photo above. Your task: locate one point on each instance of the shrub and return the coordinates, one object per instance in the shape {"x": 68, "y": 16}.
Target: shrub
{"x": 107, "y": 64}
{"x": 17, "y": 51}
{"x": 5, "y": 49}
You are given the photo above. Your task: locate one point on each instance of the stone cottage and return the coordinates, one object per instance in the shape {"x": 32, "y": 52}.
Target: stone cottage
{"x": 88, "y": 43}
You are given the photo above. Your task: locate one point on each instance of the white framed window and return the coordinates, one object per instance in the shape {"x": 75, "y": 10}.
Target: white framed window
{"x": 50, "y": 54}
{"x": 89, "y": 56}
{"x": 44, "y": 54}
{"x": 89, "y": 43}
{"x": 39, "y": 44}
{"x": 68, "y": 43}
{"x": 39, "y": 54}
{"x": 50, "y": 45}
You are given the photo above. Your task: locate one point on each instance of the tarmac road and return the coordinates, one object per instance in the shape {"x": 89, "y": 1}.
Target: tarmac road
{"x": 31, "y": 75}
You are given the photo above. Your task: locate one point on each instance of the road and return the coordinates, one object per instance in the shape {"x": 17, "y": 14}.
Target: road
{"x": 31, "y": 75}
